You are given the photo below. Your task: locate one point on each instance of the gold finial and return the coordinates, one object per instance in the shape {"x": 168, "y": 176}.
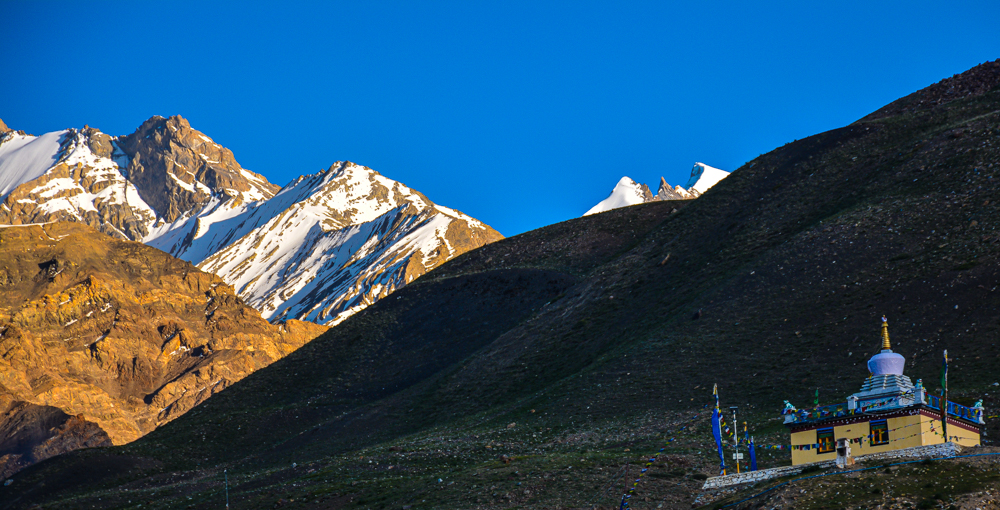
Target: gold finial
{"x": 885, "y": 334}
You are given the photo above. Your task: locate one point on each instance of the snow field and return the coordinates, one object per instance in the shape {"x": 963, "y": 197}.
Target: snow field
{"x": 24, "y": 158}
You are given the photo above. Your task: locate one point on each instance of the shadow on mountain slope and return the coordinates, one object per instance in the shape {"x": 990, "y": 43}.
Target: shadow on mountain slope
{"x": 771, "y": 284}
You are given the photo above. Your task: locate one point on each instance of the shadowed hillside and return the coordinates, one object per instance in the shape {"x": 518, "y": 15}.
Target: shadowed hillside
{"x": 582, "y": 344}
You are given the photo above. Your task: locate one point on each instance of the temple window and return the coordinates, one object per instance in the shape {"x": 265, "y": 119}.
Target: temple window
{"x": 824, "y": 438}
{"x": 879, "y": 431}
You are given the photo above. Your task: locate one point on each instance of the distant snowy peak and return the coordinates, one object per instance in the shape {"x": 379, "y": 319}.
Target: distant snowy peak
{"x": 704, "y": 177}
{"x": 627, "y": 192}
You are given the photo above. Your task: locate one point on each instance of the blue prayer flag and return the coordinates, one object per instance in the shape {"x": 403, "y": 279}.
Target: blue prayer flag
{"x": 717, "y": 432}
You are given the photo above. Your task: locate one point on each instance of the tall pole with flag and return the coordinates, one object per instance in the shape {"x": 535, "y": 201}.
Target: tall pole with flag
{"x": 736, "y": 442}
{"x": 944, "y": 395}
{"x": 750, "y": 448}
{"x": 717, "y": 430}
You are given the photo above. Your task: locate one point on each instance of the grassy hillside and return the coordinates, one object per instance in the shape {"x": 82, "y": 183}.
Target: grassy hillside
{"x": 527, "y": 372}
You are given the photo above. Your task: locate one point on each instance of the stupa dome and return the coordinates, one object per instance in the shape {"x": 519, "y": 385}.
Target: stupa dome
{"x": 886, "y": 362}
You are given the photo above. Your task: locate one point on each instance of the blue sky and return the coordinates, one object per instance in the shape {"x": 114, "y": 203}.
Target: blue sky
{"x": 521, "y": 114}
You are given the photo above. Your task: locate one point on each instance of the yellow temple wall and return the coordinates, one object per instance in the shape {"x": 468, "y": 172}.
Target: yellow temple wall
{"x": 964, "y": 437}
{"x": 904, "y": 432}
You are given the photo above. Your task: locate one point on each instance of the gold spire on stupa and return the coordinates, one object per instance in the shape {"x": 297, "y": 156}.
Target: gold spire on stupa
{"x": 885, "y": 334}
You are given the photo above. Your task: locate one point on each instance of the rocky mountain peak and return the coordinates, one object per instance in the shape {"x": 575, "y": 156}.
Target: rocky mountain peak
{"x": 177, "y": 169}
{"x": 3, "y": 127}
{"x": 323, "y": 247}
{"x": 331, "y": 243}
{"x": 102, "y": 145}
{"x": 668, "y": 192}
{"x": 702, "y": 178}
{"x": 628, "y": 192}
{"x": 345, "y": 170}
{"x": 340, "y": 166}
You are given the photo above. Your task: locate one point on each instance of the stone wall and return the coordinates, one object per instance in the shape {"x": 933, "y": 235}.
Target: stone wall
{"x": 935, "y": 450}
{"x": 757, "y": 476}
{"x": 931, "y": 450}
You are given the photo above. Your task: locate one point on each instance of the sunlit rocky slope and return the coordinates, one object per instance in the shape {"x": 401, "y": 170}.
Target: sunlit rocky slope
{"x": 109, "y": 339}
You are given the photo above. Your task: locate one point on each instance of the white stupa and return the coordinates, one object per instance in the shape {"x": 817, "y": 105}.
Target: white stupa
{"x": 886, "y": 387}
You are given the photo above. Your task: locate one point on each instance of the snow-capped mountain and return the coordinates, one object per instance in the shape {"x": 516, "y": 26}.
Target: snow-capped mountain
{"x": 322, "y": 248}
{"x": 330, "y": 244}
{"x": 136, "y": 187}
{"x": 628, "y": 192}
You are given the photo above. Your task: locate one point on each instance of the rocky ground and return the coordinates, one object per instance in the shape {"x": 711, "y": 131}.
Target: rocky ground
{"x": 964, "y": 483}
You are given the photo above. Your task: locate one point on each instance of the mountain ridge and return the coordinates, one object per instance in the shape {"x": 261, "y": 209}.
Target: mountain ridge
{"x": 627, "y": 192}
{"x": 172, "y": 187}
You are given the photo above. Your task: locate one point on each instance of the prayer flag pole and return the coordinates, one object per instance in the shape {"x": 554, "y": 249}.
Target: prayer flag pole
{"x": 736, "y": 441}
{"x": 944, "y": 399}
{"x": 717, "y": 430}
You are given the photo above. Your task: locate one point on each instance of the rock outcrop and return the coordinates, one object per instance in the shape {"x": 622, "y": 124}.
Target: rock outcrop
{"x": 103, "y": 340}
{"x": 31, "y": 433}
{"x": 667, "y": 192}
{"x": 177, "y": 169}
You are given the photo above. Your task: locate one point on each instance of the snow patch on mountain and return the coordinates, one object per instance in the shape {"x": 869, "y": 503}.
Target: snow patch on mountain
{"x": 704, "y": 177}
{"x": 627, "y": 192}
{"x": 25, "y": 157}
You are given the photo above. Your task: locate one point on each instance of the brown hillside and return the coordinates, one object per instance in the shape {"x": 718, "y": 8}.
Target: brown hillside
{"x": 116, "y": 335}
